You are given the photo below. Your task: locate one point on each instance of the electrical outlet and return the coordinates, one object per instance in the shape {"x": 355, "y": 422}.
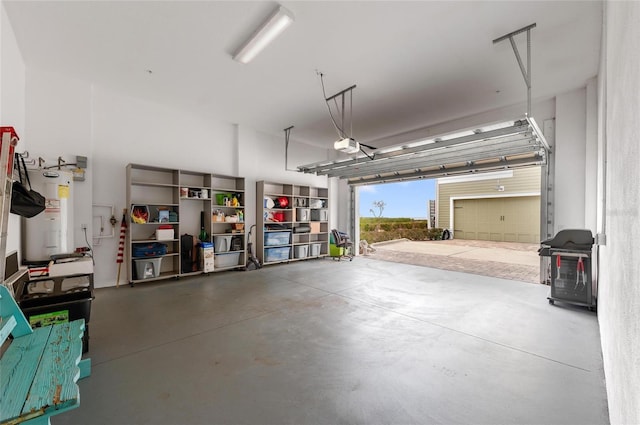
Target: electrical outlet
{"x": 83, "y": 227}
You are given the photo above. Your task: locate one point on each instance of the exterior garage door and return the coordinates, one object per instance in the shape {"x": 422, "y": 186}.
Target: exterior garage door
{"x": 509, "y": 219}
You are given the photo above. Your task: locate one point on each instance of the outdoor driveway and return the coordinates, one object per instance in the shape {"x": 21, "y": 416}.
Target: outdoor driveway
{"x": 508, "y": 260}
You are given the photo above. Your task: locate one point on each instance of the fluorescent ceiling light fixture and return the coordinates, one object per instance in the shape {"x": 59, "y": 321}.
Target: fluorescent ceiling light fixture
{"x": 277, "y": 22}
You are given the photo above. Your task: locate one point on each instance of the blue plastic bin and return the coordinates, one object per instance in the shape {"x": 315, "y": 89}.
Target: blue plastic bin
{"x": 277, "y": 254}
{"x": 277, "y": 238}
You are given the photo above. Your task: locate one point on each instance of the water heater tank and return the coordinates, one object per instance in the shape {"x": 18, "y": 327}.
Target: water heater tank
{"x": 51, "y": 231}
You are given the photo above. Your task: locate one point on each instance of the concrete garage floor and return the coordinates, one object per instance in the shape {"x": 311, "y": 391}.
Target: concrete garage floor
{"x": 507, "y": 260}
{"x": 327, "y": 342}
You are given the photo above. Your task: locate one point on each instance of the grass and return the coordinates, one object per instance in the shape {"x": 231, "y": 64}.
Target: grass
{"x": 379, "y": 229}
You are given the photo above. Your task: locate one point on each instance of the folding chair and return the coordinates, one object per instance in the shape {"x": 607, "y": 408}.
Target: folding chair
{"x": 341, "y": 240}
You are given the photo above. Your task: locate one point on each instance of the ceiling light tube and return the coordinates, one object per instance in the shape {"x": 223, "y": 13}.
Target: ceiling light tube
{"x": 277, "y": 22}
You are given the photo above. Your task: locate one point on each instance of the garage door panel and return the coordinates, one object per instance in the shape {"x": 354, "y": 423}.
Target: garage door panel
{"x": 496, "y": 237}
{"x": 483, "y": 236}
{"x": 510, "y": 237}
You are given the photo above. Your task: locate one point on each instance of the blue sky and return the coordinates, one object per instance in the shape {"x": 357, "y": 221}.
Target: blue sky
{"x": 404, "y": 199}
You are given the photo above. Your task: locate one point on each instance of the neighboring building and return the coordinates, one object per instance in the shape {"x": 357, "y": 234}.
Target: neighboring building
{"x": 497, "y": 206}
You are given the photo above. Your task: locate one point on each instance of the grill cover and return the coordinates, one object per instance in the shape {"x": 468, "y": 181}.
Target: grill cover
{"x": 569, "y": 239}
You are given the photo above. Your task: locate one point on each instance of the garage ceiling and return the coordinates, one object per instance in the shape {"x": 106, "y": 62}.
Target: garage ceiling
{"x": 415, "y": 64}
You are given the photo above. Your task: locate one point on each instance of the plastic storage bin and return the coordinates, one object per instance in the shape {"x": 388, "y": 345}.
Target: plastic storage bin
{"x": 227, "y": 259}
{"x": 301, "y": 251}
{"x": 335, "y": 251}
{"x": 149, "y": 249}
{"x": 302, "y": 214}
{"x": 277, "y": 254}
{"x": 222, "y": 243}
{"x": 277, "y": 238}
{"x": 147, "y": 268}
{"x": 319, "y": 215}
{"x": 315, "y": 249}
{"x": 220, "y": 197}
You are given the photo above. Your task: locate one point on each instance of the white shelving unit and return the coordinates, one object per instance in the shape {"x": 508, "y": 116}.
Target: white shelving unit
{"x": 296, "y": 231}
{"x": 185, "y": 201}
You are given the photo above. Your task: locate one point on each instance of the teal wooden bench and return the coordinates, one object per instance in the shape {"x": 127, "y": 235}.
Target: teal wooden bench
{"x": 39, "y": 368}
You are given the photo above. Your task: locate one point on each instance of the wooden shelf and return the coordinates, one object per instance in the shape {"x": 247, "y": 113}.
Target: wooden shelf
{"x": 151, "y": 184}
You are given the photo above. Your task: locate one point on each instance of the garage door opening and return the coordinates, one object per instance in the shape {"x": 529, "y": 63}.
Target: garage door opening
{"x": 494, "y": 218}
{"x": 496, "y": 154}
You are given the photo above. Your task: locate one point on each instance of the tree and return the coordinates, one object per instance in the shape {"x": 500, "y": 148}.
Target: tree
{"x": 380, "y": 206}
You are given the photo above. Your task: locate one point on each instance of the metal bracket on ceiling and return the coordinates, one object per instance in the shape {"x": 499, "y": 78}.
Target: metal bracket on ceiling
{"x": 526, "y": 73}
{"x": 341, "y": 96}
{"x": 287, "y": 131}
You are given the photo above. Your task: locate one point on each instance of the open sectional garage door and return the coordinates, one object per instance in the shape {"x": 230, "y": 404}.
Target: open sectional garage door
{"x": 498, "y": 147}
{"x": 506, "y": 219}
{"x": 503, "y": 146}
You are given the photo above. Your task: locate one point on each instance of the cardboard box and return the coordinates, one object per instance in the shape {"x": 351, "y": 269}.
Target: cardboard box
{"x": 315, "y": 227}
{"x": 207, "y": 263}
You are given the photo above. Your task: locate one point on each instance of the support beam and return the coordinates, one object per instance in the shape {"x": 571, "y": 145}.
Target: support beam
{"x": 526, "y": 73}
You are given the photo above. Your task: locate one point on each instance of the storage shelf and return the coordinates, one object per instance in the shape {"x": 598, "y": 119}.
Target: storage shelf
{"x": 219, "y": 269}
{"x": 277, "y": 262}
{"x": 193, "y": 186}
{"x": 153, "y": 240}
{"x": 169, "y": 254}
{"x": 150, "y": 204}
{"x": 151, "y": 184}
{"x": 191, "y": 273}
{"x": 163, "y": 275}
{"x": 228, "y": 252}
{"x": 162, "y": 188}
{"x": 300, "y": 197}
{"x": 156, "y": 223}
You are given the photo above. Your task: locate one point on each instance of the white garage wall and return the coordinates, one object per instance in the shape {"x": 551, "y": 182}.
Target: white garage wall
{"x": 570, "y": 152}
{"x": 262, "y": 157}
{"x": 128, "y": 130}
{"x": 69, "y": 117}
{"x": 58, "y": 123}
{"x": 12, "y": 100}
{"x": 619, "y": 290}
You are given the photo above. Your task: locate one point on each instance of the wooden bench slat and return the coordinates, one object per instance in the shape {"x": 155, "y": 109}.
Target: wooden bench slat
{"x": 8, "y": 325}
{"x": 19, "y": 365}
{"x": 54, "y": 385}
{"x": 9, "y": 308}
